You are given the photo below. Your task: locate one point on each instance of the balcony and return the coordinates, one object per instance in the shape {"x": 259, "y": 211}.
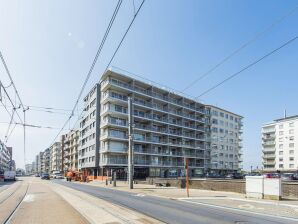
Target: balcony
{"x": 151, "y": 94}
{"x": 269, "y": 156}
{"x": 268, "y": 143}
{"x": 268, "y": 130}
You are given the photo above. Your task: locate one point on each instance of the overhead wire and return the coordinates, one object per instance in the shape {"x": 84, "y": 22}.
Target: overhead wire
{"x": 248, "y": 66}
{"x": 243, "y": 46}
{"x": 92, "y": 66}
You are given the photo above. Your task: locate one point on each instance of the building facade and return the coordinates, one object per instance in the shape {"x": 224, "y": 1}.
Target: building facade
{"x": 168, "y": 127}
{"x": 55, "y": 157}
{"x": 5, "y": 157}
{"x": 224, "y": 140}
{"x": 280, "y": 144}
{"x": 70, "y": 150}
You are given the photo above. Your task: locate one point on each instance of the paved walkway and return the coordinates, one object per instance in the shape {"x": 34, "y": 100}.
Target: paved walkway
{"x": 236, "y": 201}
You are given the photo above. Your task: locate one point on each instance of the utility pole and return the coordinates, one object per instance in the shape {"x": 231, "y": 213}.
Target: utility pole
{"x": 186, "y": 175}
{"x": 130, "y": 144}
{"x": 24, "y": 111}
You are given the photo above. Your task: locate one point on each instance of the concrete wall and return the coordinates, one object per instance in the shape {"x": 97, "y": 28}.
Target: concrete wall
{"x": 237, "y": 186}
{"x": 289, "y": 189}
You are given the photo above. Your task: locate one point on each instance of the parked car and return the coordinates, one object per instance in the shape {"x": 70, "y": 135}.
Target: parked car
{"x": 271, "y": 175}
{"x": 234, "y": 176}
{"x": 45, "y": 176}
{"x": 9, "y": 175}
{"x": 287, "y": 176}
{"x": 37, "y": 175}
{"x": 55, "y": 173}
{"x": 214, "y": 175}
{"x": 59, "y": 176}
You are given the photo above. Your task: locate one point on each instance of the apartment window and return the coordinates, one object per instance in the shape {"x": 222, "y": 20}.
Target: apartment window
{"x": 281, "y": 159}
{"x": 291, "y": 124}
{"x": 291, "y": 152}
{"x": 291, "y": 166}
{"x": 281, "y": 133}
{"x": 291, "y": 145}
{"x": 291, "y": 138}
{"x": 236, "y": 119}
{"x": 281, "y": 153}
{"x": 281, "y": 165}
{"x": 231, "y": 118}
{"x": 214, "y": 130}
{"x": 280, "y": 146}
{"x": 215, "y": 113}
{"x": 221, "y": 130}
{"x": 281, "y": 139}
{"x": 221, "y": 123}
{"x": 281, "y": 126}
{"x": 291, "y": 131}
{"x": 227, "y": 116}
{"x": 214, "y": 121}
{"x": 291, "y": 158}
{"x": 222, "y": 114}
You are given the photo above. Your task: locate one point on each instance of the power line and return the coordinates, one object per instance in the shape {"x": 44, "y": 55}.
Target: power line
{"x": 32, "y": 125}
{"x": 246, "y": 44}
{"x": 248, "y": 66}
{"x": 119, "y": 45}
{"x": 92, "y": 66}
{"x": 127, "y": 30}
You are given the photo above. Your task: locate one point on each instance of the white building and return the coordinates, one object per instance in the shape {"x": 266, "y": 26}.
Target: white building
{"x": 225, "y": 138}
{"x": 280, "y": 144}
{"x": 168, "y": 127}
{"x": 55, "y": 157}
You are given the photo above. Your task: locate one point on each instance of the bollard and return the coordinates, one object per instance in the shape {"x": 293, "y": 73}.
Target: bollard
{"x": 107, "y": 182}
{"x": 114, "y": 179}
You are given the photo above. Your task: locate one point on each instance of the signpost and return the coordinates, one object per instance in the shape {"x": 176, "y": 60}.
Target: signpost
{"x": 186, "y": 176}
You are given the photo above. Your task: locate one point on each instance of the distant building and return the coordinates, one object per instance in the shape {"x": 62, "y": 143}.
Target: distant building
{"x": 29, "y": 169}
{"x": 70, "y": 150}
{"x": 5, "y": 157}
{"x": 55, "y": 157}
{"x": 224, "y": 130}
{"x": 280, "y": 144}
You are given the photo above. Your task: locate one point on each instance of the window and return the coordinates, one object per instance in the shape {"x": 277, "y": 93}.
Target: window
{"x": 281, "y": 133}
{"x": 227, "y": 116}
{"x": 281, "y": 153}
{"x": 215, "y": 113}
{"x": 291, "y": 158}
{"x": 281, "y": 126}
{"x": 221, "y": 130}
{"x": 291, "y": 166}
{"x": 291, "y": 145}
{"x": 291, "y": 138}
{"x": 291, "y": 131}
{"x": 281, "y": 165}
{"x": 231, "y": 118}
{"x": 214, "y": 130}
{"x": 214, "y": 121}
{"x": 221, "y": 123}
{"x": 281, "y": 139}
{"x": 291, "y": 152}
{"x": 281, "y": 146}
{"x": 291, "y": 124}
{"x": 222, "y": 114}
{"x": 281, "y": 159}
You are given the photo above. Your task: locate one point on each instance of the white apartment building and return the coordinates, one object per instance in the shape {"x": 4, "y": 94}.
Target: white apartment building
{"x": 70, "y": 150}
{"x": 55, "y": 157}
{"x": 280, "y": 144}
{"x": 5, "y": 157}
{"x": 88, "y": 151}
{"x": 168, "y": 127}
{"x": 225, "y": 138}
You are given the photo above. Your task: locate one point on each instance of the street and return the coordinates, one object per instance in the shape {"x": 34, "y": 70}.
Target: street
{"x": 173, "y": 211}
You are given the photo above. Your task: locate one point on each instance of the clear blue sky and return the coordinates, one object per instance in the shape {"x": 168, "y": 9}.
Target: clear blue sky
{"x": 49, "y": 47}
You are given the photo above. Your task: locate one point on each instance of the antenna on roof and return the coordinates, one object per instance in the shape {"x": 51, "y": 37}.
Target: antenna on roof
{"x": 285, "y": 113}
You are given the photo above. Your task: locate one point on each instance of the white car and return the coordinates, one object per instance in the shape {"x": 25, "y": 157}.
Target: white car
{"x": 9, "y": 175}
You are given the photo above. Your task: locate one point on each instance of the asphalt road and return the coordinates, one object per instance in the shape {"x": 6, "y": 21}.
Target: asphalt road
{"x": 173, "y": 211}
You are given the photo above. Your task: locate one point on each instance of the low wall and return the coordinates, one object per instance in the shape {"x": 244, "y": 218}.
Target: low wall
{"x": 290, "y": 190}
{"x": 237, "y": 186}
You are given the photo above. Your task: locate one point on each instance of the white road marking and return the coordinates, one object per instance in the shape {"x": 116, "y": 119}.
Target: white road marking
{"x": 29, "y": 198}
{"x": 139, "y": 195}
{"x": 243, "y": 211}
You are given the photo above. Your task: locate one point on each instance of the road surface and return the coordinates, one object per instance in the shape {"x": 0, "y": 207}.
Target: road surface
{"x": 174, "y": 211}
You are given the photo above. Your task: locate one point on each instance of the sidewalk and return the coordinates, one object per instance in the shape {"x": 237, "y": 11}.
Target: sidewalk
{"x": 229, "y": 200}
